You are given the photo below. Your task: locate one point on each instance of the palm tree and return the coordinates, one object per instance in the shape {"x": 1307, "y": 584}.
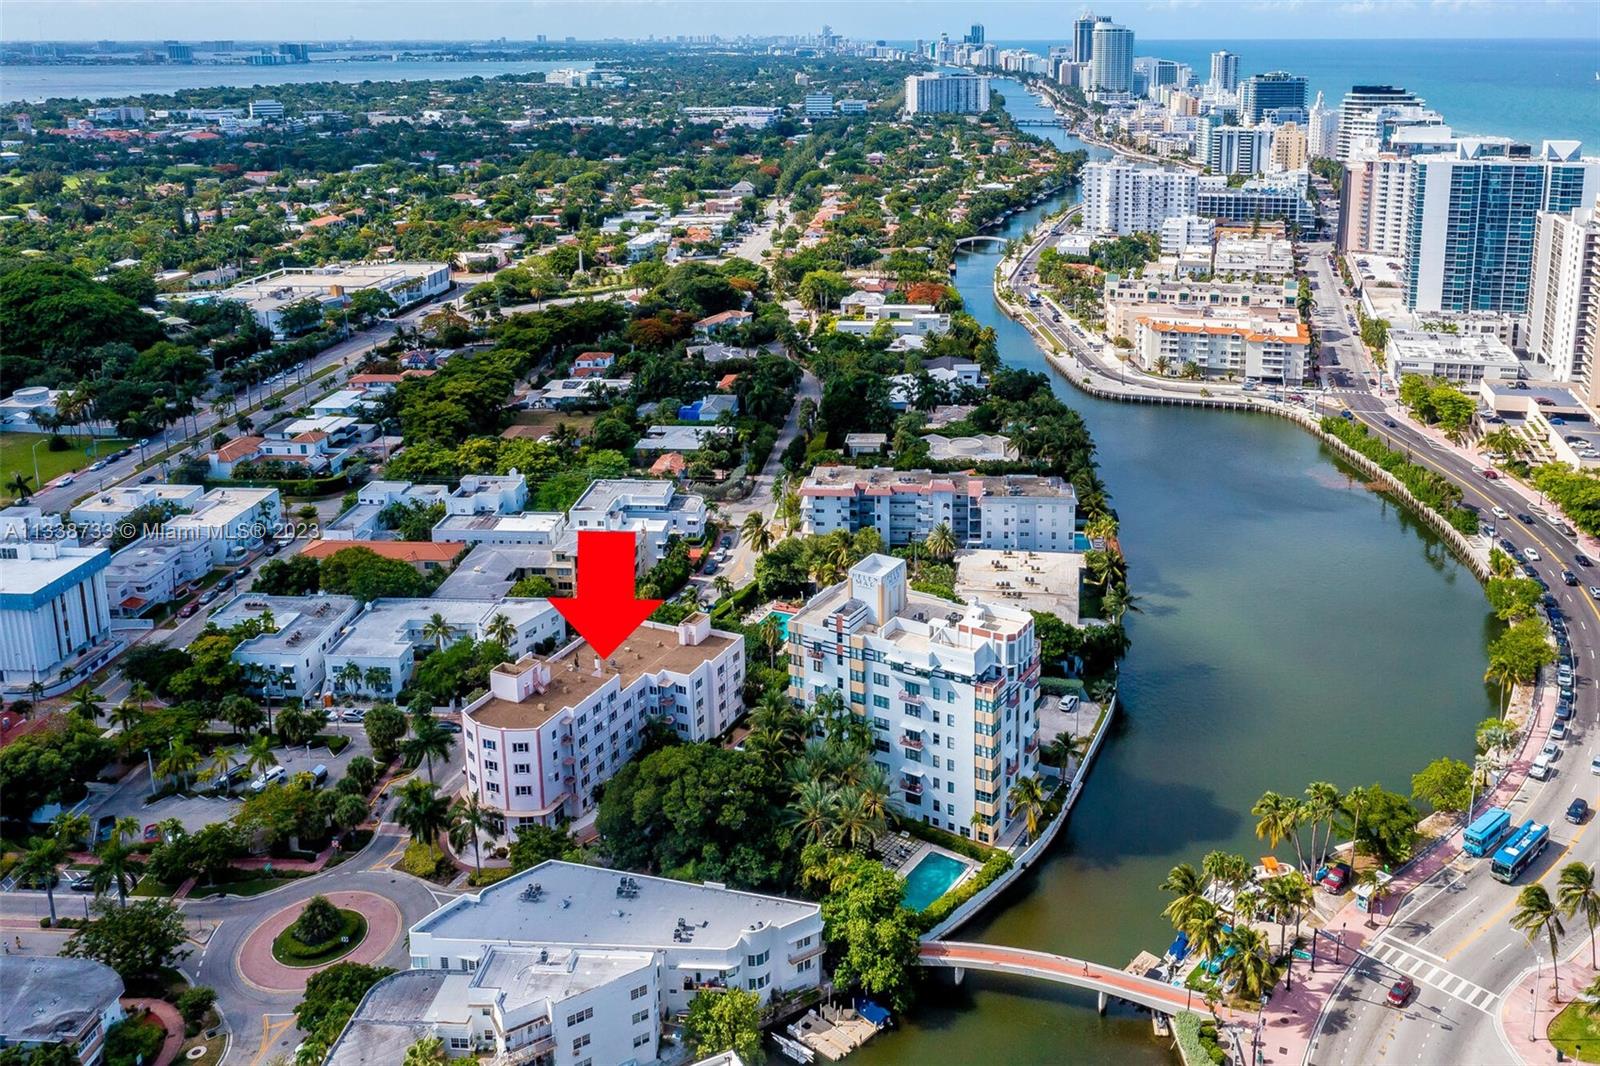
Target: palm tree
{"x": 1203, "y": 925}
{"x": 220, "y": 764}
{"x": 755, "y": 532}
{"x": 501, "y": 630}
{"x": 1027, "y": 798}
{"x": 42, "y": 862}
{"x": 1576, "y": 894}
{"x": 422, "y": 811}
{"x": 69, "y": 829}
{"x": 115, "y": 866}
{"x": 467, "y": 820}
{"x": 140, "y": 694}
{"x": 19, "y": 485}
{"x": 1287, "y": 898}
{"x": 941, "y": 542}
{"x": 348, "y": 676}
{"x": 126, "y": 716}
{"x": 437, "y": 629}
{"x": 855, "y": 820}
{"x": 1189, "y": 891}
{"x": 1535, "y": 913}
{"x": 1377, "y": 886}
{"x": 1355, "y": 801}
{"x": 86, "y": 702}
{"x": 377, "y": 678}
{"x": 1227, "y": 869}
{"x": 259, "y": 756}
{"x": 1064, "y": 748}
{"x": 428, "y": 741}
{"x": 811, "y": 812}
{"x": 1495, "y": 737}
{"x": 1279, "y": 819}
{"x": 771, "y": 638}
{"x": 180, "y": 761}
{"x": 1249, "y": 963}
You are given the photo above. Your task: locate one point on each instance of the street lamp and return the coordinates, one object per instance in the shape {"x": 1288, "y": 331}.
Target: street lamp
{"x": 37, "y": 484}
{"x": 1533, "y": 998}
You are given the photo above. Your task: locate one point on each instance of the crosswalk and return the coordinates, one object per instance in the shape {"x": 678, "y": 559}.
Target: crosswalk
{"x": 1426, "y": 968}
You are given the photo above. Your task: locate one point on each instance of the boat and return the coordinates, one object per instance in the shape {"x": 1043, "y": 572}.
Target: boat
{"x": 793, "y": 1048}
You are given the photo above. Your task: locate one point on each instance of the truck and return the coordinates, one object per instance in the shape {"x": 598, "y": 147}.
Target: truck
{"x": 1486, "y": 832}
{"x": 1519, "y": 851}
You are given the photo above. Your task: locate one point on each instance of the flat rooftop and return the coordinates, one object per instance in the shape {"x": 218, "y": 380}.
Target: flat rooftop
{"x": 50, "y": 1000}
{"x": 301, "y": 620}
{"x": 579, "y": 906}
{"x": 396, "y": 1012}
{"x": 1033, "y": 581}
{"x": 609, "y": 494}
{"x": 528, "y": 976}
{"x": 390, "y": 627}
{"x": 549, "y": 523}
{"x": 881, "y": 480}
{"x": 653, "y": 647}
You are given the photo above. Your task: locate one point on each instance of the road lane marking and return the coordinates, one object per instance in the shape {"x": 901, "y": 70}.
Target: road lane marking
{"x": 1451, "y": 984}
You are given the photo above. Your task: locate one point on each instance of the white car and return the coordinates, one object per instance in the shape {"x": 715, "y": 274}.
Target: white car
{"x": 1594, "y": 765}
{"x": 1500, "y": 513}
{"x": 273, "y": 773}
{"x": 1067, "y": 703}
{"x": 1552, "y": 751}
{"x": 1531, "y": 553}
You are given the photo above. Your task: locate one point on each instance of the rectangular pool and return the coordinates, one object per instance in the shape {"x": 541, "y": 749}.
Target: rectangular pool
{"x": 783, "y": 622}
{"x": 931, "y": 878}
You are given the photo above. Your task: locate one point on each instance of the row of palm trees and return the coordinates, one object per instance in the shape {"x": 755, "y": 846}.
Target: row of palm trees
{"x": 427, "y": 815}
{"x": 1576, "y": 896}
{"x": 1215, "y": 925}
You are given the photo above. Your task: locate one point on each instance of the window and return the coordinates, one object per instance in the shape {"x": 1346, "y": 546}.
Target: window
{"x": 641, "y": 1040}
{"x": 519, "y": 746}
{"x": 757, "y": 960}
{"x": 640, "y": 992}
{"x": 520, "y": 767}
{"x": 459, "y": 1043}
{"x": 755, "y": 983}
{"x": 490, "y": 764}
{"x": 641, "y": 1016}
{"x": 803, "y": 942}
{"x": 488, "y": 745}
{"x": 523, "y": 790}
{"x": 580, "y": 1043}
{"x": 580, "y": 1017}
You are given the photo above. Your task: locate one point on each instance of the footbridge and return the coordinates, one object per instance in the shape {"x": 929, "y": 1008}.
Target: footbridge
{"x": 980, "y": 238}
{"x": 1079, "y": 973}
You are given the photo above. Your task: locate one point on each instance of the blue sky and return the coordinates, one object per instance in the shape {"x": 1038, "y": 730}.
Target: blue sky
{"x": 890, "y": 19}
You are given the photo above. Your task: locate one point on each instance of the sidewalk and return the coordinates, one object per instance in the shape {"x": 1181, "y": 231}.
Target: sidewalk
{"x": 1525, "y": 1020}
{"x": 170, "y": 1020}
{"x": 1290, "y": 1020}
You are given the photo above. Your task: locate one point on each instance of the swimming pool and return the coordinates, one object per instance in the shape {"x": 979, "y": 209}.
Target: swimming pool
{"x": 783, "y": 622}
{"x": 931, "y": 878}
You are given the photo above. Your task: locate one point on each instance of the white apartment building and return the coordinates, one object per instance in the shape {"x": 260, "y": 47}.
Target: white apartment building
{"x": 54, "y": 613}
{"x": 1322, "y": 130}
{"x": 1255, "y": 344}
{"x": 230, "y": 521}
{"x": 1184, "y": 231}
{"x": 360, "y": 522}
{"x": 1461, "y": 359}
{"x": 153, "y": 571}
{"x": 375, "y": 653}
{"x": 949, "y": 691}
{"x": 1564, "y": 301}
{"x": 1120, "y": 197}
{"x": 700, "y": 936}
{"x": 550, "y": 731}
{"x": 53, "y": 1000}
{"x": 1260, "y": 256}
{"x": 331, "y": 286}
{"x": 946, "y": 94}
{"x": 1357, "y": 120}
{"x": 487, "y": 494}
{"x": 1126, "y": 299}
{"x": 291, "y": 659}
{"x": 818, "y": 105}
{"x": 98, "y": 515}
{"x": 1232, "y": 149}
{"x": 1019, "y": 511}
{"x": 1372, "y": 203}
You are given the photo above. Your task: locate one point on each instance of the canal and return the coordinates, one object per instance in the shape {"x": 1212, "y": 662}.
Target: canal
{"x": 1293, "y": 627}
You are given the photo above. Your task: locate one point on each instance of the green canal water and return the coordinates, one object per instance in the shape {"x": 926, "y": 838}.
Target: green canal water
{"x": 1293, "y": 627}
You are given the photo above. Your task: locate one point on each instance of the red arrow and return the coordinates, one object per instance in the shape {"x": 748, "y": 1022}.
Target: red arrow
{"x": 605, "y": 611}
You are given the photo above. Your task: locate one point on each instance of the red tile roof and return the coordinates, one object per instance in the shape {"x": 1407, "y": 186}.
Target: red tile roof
{"x": 407, "y": 551}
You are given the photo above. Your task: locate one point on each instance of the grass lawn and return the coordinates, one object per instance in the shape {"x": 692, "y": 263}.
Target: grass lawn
{"x": 245, "y": 886}
{"x": 1576, "y": 1031}
{"x": 213, "y": 1050}
{"x": 17, "y": 452}
{"x": 535, "y": 424}
{"x": 292, "y": 951}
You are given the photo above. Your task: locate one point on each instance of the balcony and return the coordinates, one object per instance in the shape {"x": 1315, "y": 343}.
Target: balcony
{"x": 1032, "y": 745}
{"x": 1012, "y": 765}
{"x": 911, "y": 785}
{"x": 797, "y": 957}
{"x": 911, "y": 741}
{"x": 911, "y": 697}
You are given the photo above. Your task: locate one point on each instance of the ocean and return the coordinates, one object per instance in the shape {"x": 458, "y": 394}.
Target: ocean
{"x": 113, "y": 81}
{"x": 1529, "y": 89}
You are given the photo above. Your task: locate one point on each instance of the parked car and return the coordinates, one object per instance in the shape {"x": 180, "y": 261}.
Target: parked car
{"x": 1401, "y": 991}
{"x": 188, "y": 609}
{"x": 147, "y": 479}
{"x": 1337, "y": 877}
{"x": 1551, "y": 749}
{"x": 1067, "y": 703}
{"x": 354, "y": 714}
{"x": 1594, "y": 765}
{"x": 1558, "y": 731}
{"x": 260, "y": 782}
{"x": 1563, "y": 710}
{"x": 450, "y": 727}
{"x": 209, "y": 596}
{"x": 1577, "y": 811}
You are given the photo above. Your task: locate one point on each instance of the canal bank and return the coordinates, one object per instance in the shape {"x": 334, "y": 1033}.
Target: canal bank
{"x": 1292, "y": 627}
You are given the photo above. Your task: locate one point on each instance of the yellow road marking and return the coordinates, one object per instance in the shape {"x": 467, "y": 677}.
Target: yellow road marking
{"x": 270, "y": 1032}
{"x": 1494, "y": 919}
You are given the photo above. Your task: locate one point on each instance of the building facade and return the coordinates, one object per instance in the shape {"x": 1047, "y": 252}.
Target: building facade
{"x": 1564, "y": 302}
{"x": 1120, "y": 197}
{"x": 1013, "y": 511}
{"x": 1471, "y": 216}
{"x": 1272, "y": 91}
{"x": 1111, "y": 64}
{"x": 550, "y": 731}
{"x": 949, "y": 692}
{"x": 54, "y": 611}
{"x": 947, "y": 94}
{"x": 1356, "y": 120}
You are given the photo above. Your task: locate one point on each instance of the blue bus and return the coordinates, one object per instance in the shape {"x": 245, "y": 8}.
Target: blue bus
{"x": 1519, "y": 851}
{"x": 1483, "y": 836}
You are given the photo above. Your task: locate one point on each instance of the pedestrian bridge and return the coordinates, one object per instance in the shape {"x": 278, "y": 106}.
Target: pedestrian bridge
{"x": 1079, "y": 973}
{"x": 979, "y": 238}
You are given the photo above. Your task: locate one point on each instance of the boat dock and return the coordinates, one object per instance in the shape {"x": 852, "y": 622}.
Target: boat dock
{"x": 833, "y": 1033}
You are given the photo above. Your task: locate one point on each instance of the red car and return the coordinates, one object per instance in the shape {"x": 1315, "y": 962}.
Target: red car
{"x": 1336, "y": 878}
{"x": 188, "y": 610}
{"x": 1490, "y": 475}
{"x": 152, "y": 832}
{"x": 1400, "y": 992}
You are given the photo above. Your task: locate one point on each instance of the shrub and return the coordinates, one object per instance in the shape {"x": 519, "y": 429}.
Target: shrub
{"x": 940, "y": 909}
{"x": 318, "y": 923}
{"x": 421, "y": 860}
{"x": 337, "y": 743}
{"x": 134, "y": 1039}
{"x": 481, "y": 878}
{"x": 194, "y": 1004}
